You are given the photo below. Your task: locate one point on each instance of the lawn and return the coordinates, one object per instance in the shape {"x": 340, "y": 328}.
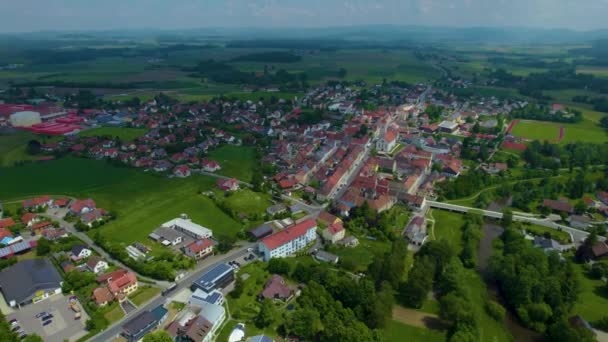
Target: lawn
{"x": 142, "y": 201}
{"x": 448, "y": 226}
{"x": 236, "y": 161}
{"x": 124, "y": 134}
{"x": 397, "y": 332}
{"x": 593, "y": 299}
{"x": 247, "y": 202}
{"x": 537, "y": 130}
{"x": 362, "y": 255}
{"x": 143, "y": 294}
{"x": 114, "y": 312}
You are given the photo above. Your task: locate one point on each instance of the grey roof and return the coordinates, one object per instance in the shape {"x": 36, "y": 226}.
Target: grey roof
{"x": 325, "y": 256}
{"x": 212, "y": 312}
{"x": 166, "y": 233}
{"x": 208, "y": 280}
{"x": 23, "y": 279}
{"x": 77, "y": 249}
{"x": 261, "y": 231}
{"x": 140, "y": 323}
{"x": 545, "y": 243}
{"x": 261, "y": 338}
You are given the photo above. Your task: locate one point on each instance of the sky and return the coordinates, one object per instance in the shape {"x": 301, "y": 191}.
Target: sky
{"x": 40, "y": 15}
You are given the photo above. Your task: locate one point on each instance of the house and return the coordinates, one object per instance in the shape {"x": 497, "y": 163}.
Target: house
{"x": 105, "y": 278}
{"x": 276, "y": 289}
{"x": 415, "y": 232}
{"x": 327, "y": 218}
{"x": 67, "y": 266}
{"x": 102, "y": 296}
{"x": 166, "y": 236}
{"x": 39, "y": 227}
{"x": 123, "y": 285}
{"x": 210, "y": 165}
{"x": 182, "y": 171}
{"x": 95, "y": 215}
{"x": 199, "y": 249}
{"x": 599, "y": 250}
{"x": 5, "y": 233}
{"x": 79, "y": 207}
{"x": 29, "y": 219}
{"x": 37, "y": 203}
{"x": 494, "y": 168}
{"x": 334, "y": 232}
{"x": 548, "y": 245}
{"x": 194, "y": 329}
{"x": 261, "y": 231}
{"x": 80, "y": 252}
{"x": 60, "y": 203}
{"x": 142, "y": 324}
{"x": 349, "y": 241}
{"x": 602, "y": 196}
{"x": 189, "y": 228}
{"x": 228, "y": 184}
{"x": 214, "y": 279}
{"x": 215, "y": 314}
{"x": 558, "y": 206}
{"x": 199, "y": 296}
{"x": 260, "y": 338}
{"x": 327, "y": 257}
{"x": 7, "y": 222}
{"x": 579, "y": 222}
{"x": 276, "y": 209}
{"x": 96, "y": 264}
{"x": 288, "y": 241}
{"x": 29, "y": 281}
{"x": 53, "y": 234}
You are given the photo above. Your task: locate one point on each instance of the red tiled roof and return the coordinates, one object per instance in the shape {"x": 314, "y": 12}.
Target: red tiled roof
{"x": 41, "y": 225}
{"x": 335, "y": 228}
{"x": 5, "y": 233}
{"x": 102, "y": 295}
{"x": 276, "y": 288}
{"x": 558, "y": 205}
{"x": 282, "y": 237}
{"x": 199, "y": 245}
{"x": 78, "y": 205}
{"x": 61, "y": 202}
{"x": 326, "y": 217}
{"x": 112, "y": 275}
{"x": 118, "y": 284}
{"x": 7, "y": 222}
{"x": 27, "y": 217}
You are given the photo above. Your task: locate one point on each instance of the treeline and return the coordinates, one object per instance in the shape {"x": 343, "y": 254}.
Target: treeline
{"x": 541, "y": 289}
{"x": 317, "y": 44}
{"x": 599, "y": 103}
{"x": 543, "y": 113}
{"x": 528, "y": 62}
{"x": 553, "y": 156}
{"x": 269, "y": 57}
{"x": 221, "y": 72}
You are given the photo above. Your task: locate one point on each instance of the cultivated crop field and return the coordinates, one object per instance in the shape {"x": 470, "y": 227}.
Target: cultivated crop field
{"x": 125, "y": 134}
{"x": 537, "y": 130}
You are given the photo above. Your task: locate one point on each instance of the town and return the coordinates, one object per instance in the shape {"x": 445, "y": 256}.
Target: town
{"x": 283, "y": 200}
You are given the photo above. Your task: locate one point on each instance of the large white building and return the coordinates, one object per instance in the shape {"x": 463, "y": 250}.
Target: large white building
{"x": 25, "y": 119}
{"x": 188, "y": 227}
{"x": 288, "y": 241}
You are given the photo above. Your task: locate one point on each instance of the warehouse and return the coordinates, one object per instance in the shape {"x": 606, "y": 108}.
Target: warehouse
{"x": 25, "y": 119}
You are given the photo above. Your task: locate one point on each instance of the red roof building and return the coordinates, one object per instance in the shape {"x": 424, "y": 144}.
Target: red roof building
{"x": 276, "y": 289}
{"x": 288, "y": 241}
{"x": 124, "y": 284}
{"x": 7, "y": 222}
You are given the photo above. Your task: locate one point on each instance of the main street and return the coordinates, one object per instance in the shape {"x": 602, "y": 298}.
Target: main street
{"x": 115, "y": 329}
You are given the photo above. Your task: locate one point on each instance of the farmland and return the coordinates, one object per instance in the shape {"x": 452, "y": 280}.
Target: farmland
{"x": 124, "y": 134}
{"x": 236, "y": 161}
{"x": 12, "y": 148}
{"x": 142, "y": 201}
{"x": 536, "y": 130}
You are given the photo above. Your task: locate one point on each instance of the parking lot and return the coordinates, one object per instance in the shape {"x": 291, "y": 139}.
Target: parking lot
{"x": 62, "y": 324}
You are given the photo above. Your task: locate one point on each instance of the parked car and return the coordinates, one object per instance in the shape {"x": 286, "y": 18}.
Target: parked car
{"x": 45, "y": 323}
{"x": 16, "y": 327}
{"x": 46, "y": 318}
{"x": 41, "y": 314}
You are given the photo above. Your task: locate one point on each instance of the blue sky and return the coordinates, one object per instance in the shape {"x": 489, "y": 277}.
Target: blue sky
{"x": 35, "y": 15}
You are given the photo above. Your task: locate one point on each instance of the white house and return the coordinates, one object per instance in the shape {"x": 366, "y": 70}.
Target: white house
{"x": 388, "y": 141}
{"x": 334, "y": 232}
{"x": 97, "y": 265}
{"x": 288, "y": 241}
{"x": 80, "y": 252}
{"x": 188, "y": 227}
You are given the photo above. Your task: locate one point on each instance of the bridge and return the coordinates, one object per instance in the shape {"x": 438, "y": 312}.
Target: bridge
{"x": 577, "y": 235}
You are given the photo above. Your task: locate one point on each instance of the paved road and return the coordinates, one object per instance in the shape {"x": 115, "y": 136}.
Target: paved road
{"x": 577, "y": 235}
{"x": 116, "y": 328}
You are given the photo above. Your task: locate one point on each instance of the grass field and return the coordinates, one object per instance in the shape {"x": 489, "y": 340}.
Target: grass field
{"x": 397, "y": 332}
{"x": 593, "y": 70}
{"x": 142, "y": 201}
{"x": 248, "y": 202}
{"x": 236, "y": 161}
{"x": 536, "y": 130}
{"x": 143, "y": 294}
{"x": 12, "y": 148}
{"x": 448, "y": 226}
{"x": 362, "y": 255}
{"x": 125, "y": 134}
{"x": 593, "y": 299}
{"x": 558, "y": 235}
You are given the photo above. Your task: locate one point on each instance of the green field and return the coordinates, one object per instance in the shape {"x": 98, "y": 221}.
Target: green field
{"x": 593, "y": 70}
{"x": 448, "y": 226}
{"x": 124, "y": 134}
{"x": 398, "y": 332}
{"x": 362, "y": 255}
{"x": 537, "y": 130}
{"x": 12, "y": 148}
{"x": 558, "y": 235}
{"x": 236, "y": 161}
{"x": 248, "y": 202}
{"x": 593, "y": 299}
{"x": 142, "y": 201}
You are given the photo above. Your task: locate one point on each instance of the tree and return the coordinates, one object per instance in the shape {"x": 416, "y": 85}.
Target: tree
{"x": 304, "y": 323}
{"x": 43, "y": 247}
{"x": 267, "y": 314}
{"x": 33, "y": 338}
{"x": 414, "y": 291}
{"x": 279, "y": 266}
{"x": 238, "y": 288}
{"x": 33, "y": 147}
{"x": 158, "y": 336}
{"x": 604, "y": 122}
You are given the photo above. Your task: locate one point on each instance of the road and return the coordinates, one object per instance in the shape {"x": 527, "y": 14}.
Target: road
{"x": 116, "y": 328}
{"x": 577, "y": 235}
